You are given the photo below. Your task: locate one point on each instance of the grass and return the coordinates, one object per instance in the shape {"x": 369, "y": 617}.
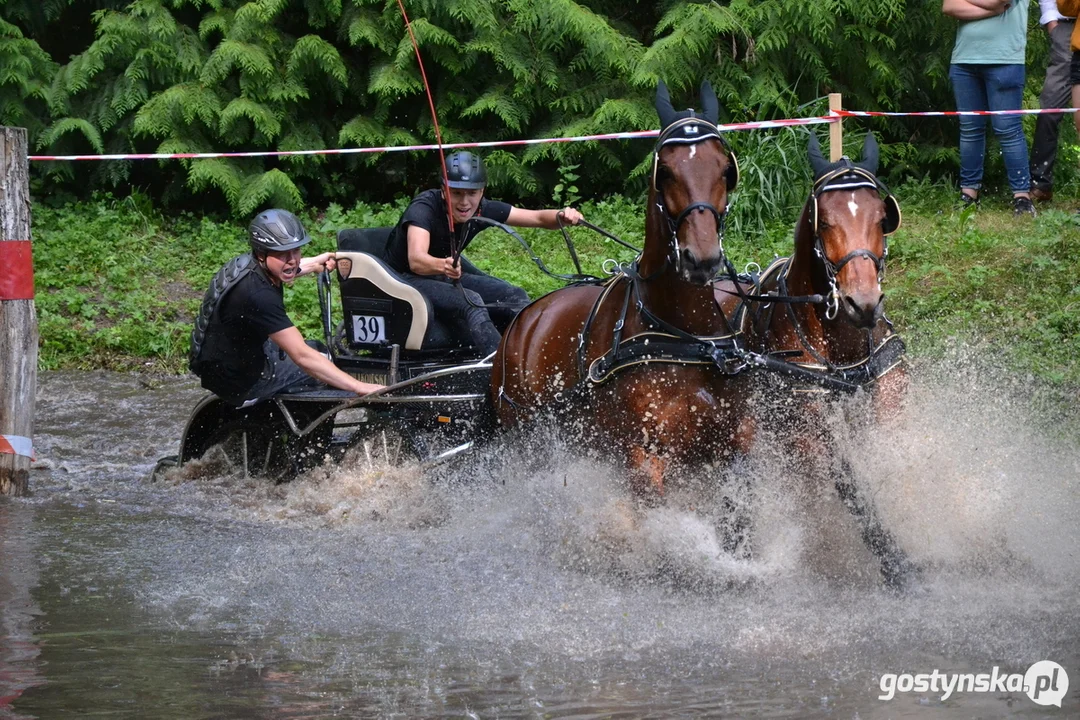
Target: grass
{"x": 984, "y": 277}
{"x": 118, "y": 285}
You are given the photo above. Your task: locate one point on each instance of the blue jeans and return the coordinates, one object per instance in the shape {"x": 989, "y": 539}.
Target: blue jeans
{"x": 991, "y": 87}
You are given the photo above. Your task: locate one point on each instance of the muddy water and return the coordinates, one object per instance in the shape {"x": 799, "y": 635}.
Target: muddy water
{"x": 522, "y": 583}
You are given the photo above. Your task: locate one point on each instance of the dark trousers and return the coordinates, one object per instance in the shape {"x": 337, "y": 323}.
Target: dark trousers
{"x": 280, "y": 375}
{"x": 1056, "y": 93}
{"x": 464, "y": 311}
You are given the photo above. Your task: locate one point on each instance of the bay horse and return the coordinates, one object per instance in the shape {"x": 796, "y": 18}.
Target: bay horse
{"x": 817, "y": 318}
{"x": 641, "y": 362}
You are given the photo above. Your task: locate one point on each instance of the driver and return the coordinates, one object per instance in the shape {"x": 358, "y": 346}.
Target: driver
{"x": 244, "y": 347}
{"x": 420, "y": 246}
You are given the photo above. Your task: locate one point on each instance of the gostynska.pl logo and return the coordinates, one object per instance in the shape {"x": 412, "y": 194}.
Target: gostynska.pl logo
{"x": 1045, "y": 683}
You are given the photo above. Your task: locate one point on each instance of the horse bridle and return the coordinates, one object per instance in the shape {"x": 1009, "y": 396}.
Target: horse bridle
{"x": 851, "y": 177}
{"x": 690, "y": 131}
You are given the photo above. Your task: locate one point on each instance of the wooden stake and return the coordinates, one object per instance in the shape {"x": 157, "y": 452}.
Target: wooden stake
{"x": 836, "y": 129}
{"x": 18, "y": 320}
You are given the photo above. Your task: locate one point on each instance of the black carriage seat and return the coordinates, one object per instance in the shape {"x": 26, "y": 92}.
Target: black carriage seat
{"x": 380, "y": 309}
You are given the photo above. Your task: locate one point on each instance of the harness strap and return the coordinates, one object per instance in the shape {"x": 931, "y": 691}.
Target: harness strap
{"x": 797, "y": 299}
{"x": 616, "y": 338}
{"x": 778, "y": 265}
{"x": 782, "y": 283}
{"x": 583, "y": 341}
{"x": 661, "y": 348}
{"x": 671, "y": 345}
{"x": 879, "y": 362}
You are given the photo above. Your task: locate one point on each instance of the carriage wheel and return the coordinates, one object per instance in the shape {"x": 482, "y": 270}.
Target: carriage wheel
{"x": 257, "y": 451}
{"x": 269, "y": 449}
{"x": 386, "y": 447}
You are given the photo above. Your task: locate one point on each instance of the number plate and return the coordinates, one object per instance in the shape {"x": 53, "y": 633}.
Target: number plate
{"x": 369, "y": 328}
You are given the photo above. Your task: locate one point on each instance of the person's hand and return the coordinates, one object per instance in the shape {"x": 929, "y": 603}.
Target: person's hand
{"x": 451, "y": 270}
{"x": 326, "y": 261}
{"x": 570, "y": 215}
{"x": 1051, "y": 25}
{"x": 363, "y": 388}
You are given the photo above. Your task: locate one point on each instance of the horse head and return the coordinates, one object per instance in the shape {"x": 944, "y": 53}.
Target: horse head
{"x": 847, "y": 219}
{"x": 693, "y": 174}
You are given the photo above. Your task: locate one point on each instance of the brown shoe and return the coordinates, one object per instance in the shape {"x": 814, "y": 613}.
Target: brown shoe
{"x": 1042, "y": 195}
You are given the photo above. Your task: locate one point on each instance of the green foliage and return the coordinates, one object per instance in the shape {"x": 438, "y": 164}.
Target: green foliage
{"x": 985, "y": 278}
{"x": 98, "y": 299}
{"x": 25, "y": 70}
{"x": 565, "y": 193}
{"x": 774, "y": 178}
{"x": 220, "y": 75}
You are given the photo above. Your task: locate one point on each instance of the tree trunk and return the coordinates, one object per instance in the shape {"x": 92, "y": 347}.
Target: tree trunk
{"x": 18, "y": 321}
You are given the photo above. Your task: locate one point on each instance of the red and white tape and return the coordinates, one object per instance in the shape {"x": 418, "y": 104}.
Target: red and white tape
{"x": 951, "y": 113}
{"x": 16, "y": 445}
{"x": 409, "y": 148}
{"x": 833, "y": 116}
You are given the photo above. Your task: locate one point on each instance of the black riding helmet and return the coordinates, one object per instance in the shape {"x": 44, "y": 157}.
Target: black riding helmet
{"x": 276, "y": 231}
{"x": 465, "y": 171}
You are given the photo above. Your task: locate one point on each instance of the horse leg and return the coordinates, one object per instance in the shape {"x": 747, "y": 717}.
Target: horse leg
{"x": 734, "y": 524}
{"x": 647, "y": 473}
{"x": 890, "y": 392}
{"x": 896, "y": 568}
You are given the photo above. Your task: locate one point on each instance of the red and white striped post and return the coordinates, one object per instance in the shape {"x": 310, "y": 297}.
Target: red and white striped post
{"x": 18, "y": 320}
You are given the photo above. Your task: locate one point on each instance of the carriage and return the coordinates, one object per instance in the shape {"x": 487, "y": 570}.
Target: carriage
{"x": 434, "y": 406}
{"x": 813, "y": 319}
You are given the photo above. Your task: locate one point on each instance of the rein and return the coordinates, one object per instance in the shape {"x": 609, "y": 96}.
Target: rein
{"x": 434, "y": 115}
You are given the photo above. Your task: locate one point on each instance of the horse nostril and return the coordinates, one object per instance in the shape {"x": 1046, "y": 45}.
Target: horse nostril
{"x": 864, "y": 314}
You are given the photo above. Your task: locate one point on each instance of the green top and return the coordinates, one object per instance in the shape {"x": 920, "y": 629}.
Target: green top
{"x": 998, "y": 40}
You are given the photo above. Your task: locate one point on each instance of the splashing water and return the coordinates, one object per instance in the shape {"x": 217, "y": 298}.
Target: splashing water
{"x": 525, "y": 579}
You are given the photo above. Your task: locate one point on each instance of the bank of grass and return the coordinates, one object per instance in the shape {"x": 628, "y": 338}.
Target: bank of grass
{"x": 118, "y": 285}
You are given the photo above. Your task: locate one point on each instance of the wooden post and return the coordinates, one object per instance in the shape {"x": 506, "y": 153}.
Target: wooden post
{"x": 836, "y": 129}
{"x": 18, "y": 320}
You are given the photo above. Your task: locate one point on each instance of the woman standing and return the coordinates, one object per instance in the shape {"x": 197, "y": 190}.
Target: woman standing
{"x": 987, "y": 73}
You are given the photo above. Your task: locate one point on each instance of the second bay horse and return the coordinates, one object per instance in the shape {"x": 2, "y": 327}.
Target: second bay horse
{"x": 641, "y": 362}
{"x": 816, "y": 321}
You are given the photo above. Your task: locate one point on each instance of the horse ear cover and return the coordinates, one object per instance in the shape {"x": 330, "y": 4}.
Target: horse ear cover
{"x": 818, "y": 163}
{"x": 710, "y": 106}
{"x": 870, "y": 154}
{"x": 710, "y": 110}
{"x": 663, "y": 105}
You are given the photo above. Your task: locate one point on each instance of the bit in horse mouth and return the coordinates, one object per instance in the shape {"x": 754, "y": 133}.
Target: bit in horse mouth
{"x": 697, "y": 273}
